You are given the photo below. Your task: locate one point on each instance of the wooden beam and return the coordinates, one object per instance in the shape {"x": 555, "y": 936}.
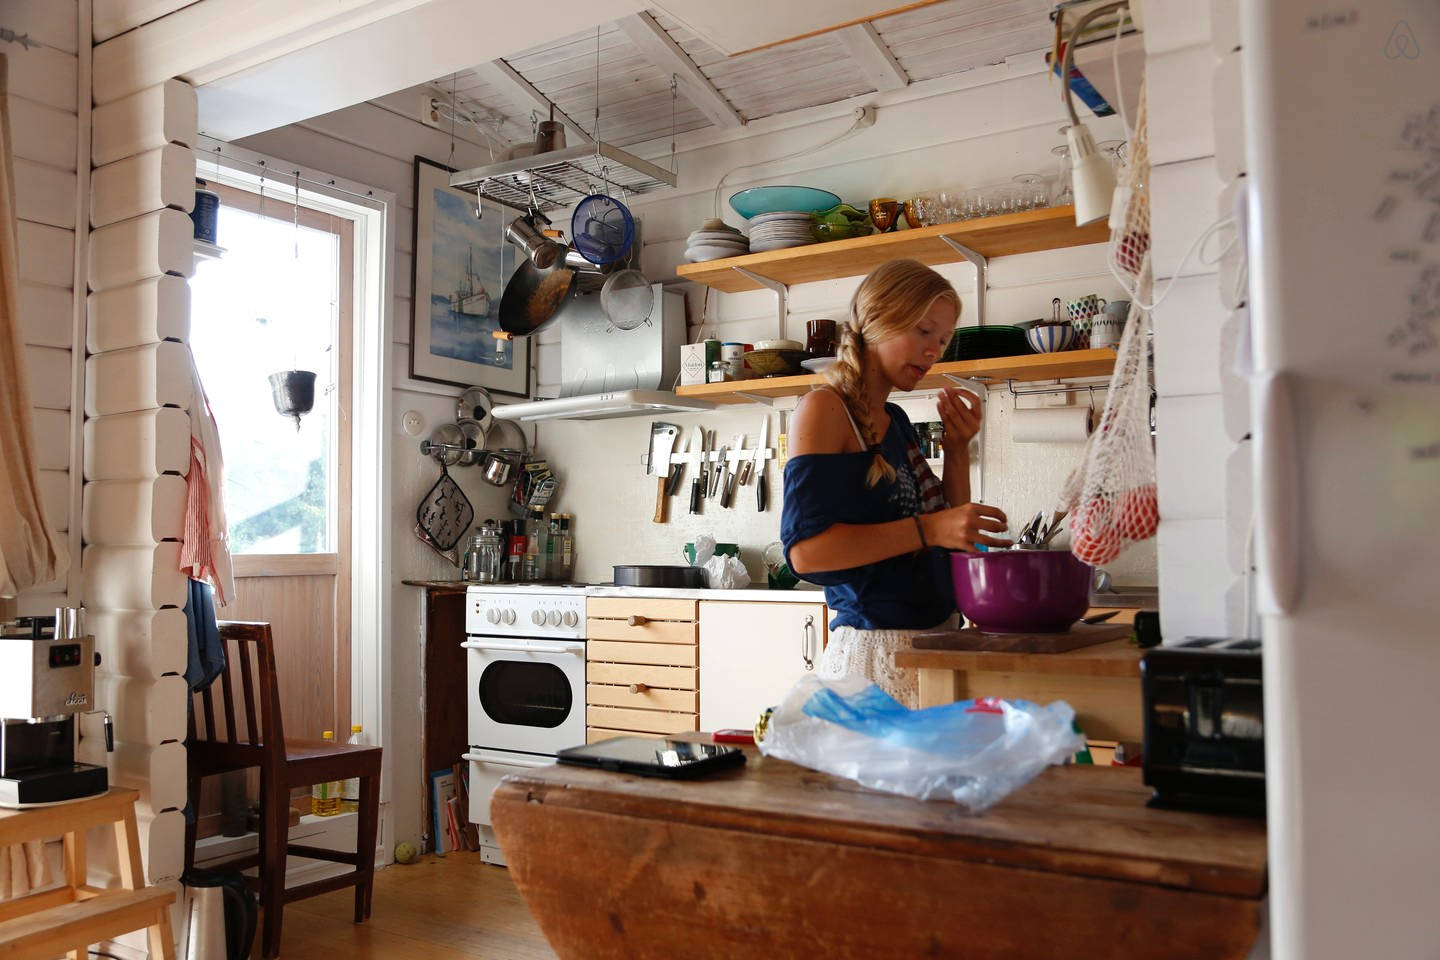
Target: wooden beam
{"x": 657, "y": 46}
{"x": 500, "y": 74}
{"x": 873, "y": 57}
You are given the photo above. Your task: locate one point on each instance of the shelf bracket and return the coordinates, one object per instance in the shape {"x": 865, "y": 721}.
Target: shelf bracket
{"x": 781, "y": 291}
{"x": 982, "y": 281}
{"x": 756, "y": 398}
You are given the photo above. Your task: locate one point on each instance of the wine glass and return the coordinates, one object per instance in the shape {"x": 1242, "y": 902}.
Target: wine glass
{"x": 1064, "y": 196}
{"x": 1115, "y": 150}
{"x": 1034, "y": 192}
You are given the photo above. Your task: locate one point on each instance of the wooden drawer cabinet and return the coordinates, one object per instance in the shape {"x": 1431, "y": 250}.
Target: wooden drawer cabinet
{"x": 642, "y": 667}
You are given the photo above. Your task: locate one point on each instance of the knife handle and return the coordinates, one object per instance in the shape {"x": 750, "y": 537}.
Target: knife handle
{"x": 761, "y": 494}
{"x": 697, "y": 487}
{"x": 660, "y": 498}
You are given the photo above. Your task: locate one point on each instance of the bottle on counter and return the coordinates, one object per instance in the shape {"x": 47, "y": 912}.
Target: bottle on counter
{"x": 350, "y": 789}
{"x": 325, "y": 797}
{"x": 489, "y": 554}
{"x": 515, "y": 558}
{"x": 567, "y": 549}
{"x": 553, "y": 570}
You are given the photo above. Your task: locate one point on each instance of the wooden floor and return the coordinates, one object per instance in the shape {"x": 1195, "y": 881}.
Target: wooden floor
{"x": 439, "y": 908}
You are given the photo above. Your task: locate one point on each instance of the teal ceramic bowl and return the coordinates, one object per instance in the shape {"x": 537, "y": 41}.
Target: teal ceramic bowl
{"x": 758, "y": 200}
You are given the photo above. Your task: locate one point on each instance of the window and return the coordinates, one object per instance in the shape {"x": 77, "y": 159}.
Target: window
{"x": 274, "y": 302}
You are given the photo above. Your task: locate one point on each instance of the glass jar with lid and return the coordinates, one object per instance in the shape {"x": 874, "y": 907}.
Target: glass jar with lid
{"x": 484, "y": 554}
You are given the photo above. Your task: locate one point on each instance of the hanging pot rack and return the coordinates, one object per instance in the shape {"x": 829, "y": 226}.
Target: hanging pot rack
{"x": 561, "y": 178}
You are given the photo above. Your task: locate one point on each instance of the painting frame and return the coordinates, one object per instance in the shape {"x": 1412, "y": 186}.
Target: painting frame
{"x": 441, "y": 351}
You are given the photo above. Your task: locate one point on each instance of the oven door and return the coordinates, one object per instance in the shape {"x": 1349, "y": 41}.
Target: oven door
{"x": 526, "y": 696}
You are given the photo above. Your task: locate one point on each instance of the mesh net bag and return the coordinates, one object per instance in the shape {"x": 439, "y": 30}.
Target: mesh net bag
{"x": 1111, "y": 495}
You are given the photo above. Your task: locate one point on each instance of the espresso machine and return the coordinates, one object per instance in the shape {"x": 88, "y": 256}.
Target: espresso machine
{"x": 47, "y": 681}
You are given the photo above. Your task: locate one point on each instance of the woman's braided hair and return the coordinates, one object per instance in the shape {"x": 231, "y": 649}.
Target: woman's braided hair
{"x": 888, "y": 302}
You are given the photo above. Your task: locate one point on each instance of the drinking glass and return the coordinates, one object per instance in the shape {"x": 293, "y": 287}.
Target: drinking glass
{"x": 1064, "y": 196}
{"x": 1034, "y": 192}
{"x": 885, "y": 214}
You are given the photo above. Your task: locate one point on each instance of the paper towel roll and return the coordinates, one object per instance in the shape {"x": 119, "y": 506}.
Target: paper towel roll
{"x": 1051, "y": 425}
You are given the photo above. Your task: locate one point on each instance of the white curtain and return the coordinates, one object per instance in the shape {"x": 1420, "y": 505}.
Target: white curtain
{"x": 30, "y": 552}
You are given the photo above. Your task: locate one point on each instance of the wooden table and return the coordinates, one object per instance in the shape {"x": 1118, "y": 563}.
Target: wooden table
{"x": 1101, "y": 682}
{"x": 775, "y": 860}
{"x": 68, "y": 919}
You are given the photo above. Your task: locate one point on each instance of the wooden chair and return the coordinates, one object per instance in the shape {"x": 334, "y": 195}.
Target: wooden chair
{"x": 284, "y": 765}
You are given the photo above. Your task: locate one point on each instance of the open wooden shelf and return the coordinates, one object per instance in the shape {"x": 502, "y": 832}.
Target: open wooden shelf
{"x": 1028, "y": 232}
{"x": 1067, "y": 365}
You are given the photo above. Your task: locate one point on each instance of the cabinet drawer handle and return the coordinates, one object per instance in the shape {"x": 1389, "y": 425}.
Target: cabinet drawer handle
{"x": 638, "y": 621}
{"x": 807, "y": 632}
{"x": 639, "y": 688}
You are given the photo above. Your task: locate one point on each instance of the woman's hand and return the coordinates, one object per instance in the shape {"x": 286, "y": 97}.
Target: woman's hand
{"x": 960, "y": 415}
{"x": 962, "y": 527}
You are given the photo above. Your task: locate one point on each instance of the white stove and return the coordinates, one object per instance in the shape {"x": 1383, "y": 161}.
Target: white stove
{"x": 525, "y": 672}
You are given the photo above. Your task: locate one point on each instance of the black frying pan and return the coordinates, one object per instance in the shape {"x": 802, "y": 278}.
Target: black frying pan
{"x": 533, "y": 296}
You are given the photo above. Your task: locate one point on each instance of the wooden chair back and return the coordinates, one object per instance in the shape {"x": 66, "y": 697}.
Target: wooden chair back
{"x": 247, "y": 727}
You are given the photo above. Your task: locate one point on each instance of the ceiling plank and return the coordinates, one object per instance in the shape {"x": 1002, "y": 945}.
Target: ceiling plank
{"x": 873, "y": 57}
{"x": 656, "y": 44}
{"x": 500, "y": 74}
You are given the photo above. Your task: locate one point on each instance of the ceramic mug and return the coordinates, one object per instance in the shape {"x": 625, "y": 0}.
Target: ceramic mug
{"x": 1081, "y": 310}
{"x": 1107, "y": 327}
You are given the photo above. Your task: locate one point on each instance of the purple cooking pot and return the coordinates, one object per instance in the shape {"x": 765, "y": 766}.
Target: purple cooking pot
{"x": 1021, "y": 591}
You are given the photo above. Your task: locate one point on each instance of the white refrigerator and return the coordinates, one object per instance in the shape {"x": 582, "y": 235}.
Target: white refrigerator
{"x": 1342, "y": 124}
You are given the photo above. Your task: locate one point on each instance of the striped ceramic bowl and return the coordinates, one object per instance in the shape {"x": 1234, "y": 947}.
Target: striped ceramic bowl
{"x": 1051, "y": 337}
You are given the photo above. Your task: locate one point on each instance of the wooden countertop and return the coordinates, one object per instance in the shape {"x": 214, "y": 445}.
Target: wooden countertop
{"x": 1115, "y": 658}
{"x": 439, "y": 586}
{"x": 1078, "y": 820}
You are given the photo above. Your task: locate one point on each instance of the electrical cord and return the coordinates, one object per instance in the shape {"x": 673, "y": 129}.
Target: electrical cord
{"x": 854, "y": 126}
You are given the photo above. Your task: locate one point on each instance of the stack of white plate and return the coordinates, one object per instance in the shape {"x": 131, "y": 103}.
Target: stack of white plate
{"x": 784, "y": 228}
{"x": 715, "y": 240}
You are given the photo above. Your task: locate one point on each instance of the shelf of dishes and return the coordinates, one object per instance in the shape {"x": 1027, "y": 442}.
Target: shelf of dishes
{"x": 1030, "y": 231}
{"x": 1066, "y": 365}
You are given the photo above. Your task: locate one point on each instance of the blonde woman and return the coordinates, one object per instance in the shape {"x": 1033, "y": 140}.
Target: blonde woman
{"x": 864, "y": 515}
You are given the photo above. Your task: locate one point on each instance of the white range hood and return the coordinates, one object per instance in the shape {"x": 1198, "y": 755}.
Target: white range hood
{"x": 602, "y": 406}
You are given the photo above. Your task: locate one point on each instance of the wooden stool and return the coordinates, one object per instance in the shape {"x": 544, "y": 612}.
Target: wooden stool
{"x": 69, "y": 919}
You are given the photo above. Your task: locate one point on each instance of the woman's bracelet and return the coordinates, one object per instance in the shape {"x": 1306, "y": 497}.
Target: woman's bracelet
{"x": 920, "y": 529}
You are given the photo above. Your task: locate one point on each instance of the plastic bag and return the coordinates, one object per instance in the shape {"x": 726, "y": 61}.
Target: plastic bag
{"x": 725, "y": 573}
{"x": 973, "y": 752}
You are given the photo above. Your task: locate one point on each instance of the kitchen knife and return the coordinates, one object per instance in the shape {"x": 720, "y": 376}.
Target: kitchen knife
{"x": 677, "y": 470}
{"x": 729, "y": 490}
{"x": 704, "y": 462}
{"x": 697, "y": 483}
{"x": 717, "y": 479}
{"x": 761, "y": 493}
{"x": 662, "y": 445}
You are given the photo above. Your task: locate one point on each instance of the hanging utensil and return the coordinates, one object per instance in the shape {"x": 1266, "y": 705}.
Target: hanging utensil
{"x": 761, "y": 493}
{"x": 533, "y": 296}
{"x": 528, "y": 235}
{"x": 627, "y": 299}
{"x": 602, "y": 229}
{"x": 662, "y": 445}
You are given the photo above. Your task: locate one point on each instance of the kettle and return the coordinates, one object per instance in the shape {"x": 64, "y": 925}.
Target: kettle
{"x": 219, "y": 917}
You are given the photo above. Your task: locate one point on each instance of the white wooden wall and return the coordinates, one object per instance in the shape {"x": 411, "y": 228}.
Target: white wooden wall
{"x": 42, "y": 103}
{"x": 1202, "y": 419}
{"x": 137, "y": 445}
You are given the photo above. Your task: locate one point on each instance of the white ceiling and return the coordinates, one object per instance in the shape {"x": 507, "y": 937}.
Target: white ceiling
{"x": 635, "y": 100}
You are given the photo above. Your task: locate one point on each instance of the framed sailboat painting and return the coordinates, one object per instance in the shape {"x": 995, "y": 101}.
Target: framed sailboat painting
{"x": 461, "y": 263}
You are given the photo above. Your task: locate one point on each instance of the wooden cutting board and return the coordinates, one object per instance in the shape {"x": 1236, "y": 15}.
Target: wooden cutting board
{"x": 1080, "y": 635}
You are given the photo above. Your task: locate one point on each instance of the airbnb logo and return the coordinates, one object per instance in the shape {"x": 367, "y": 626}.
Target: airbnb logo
{"x": 1402, "y": 42}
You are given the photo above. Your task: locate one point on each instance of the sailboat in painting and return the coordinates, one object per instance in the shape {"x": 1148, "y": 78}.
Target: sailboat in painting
{"x": 470, "y": 298}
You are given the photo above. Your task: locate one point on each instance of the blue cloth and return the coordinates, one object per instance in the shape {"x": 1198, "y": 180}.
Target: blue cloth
{"x": 206, "y": 658}
{"x": 910, "y": 592}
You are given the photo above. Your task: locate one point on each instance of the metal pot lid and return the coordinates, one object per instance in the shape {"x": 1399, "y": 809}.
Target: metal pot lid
{"x": 474, "y": 404}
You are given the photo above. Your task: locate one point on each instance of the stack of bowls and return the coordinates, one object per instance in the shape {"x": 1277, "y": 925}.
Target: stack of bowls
{"x": 782, "y": 229}
{"x": 715, "y": 240}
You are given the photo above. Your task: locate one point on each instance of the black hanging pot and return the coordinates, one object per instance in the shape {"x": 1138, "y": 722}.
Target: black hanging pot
{"x": 293, "y": 392}
{"x": 533, "y": 296}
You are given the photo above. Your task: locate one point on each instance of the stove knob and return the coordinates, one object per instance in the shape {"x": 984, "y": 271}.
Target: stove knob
{"x": 492, "y": 615}
{"x": 538, "y": 618}
{"x": 570, "y": 618}
{"x": 509, "y": 616}
{"x": 554, "y": 618}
